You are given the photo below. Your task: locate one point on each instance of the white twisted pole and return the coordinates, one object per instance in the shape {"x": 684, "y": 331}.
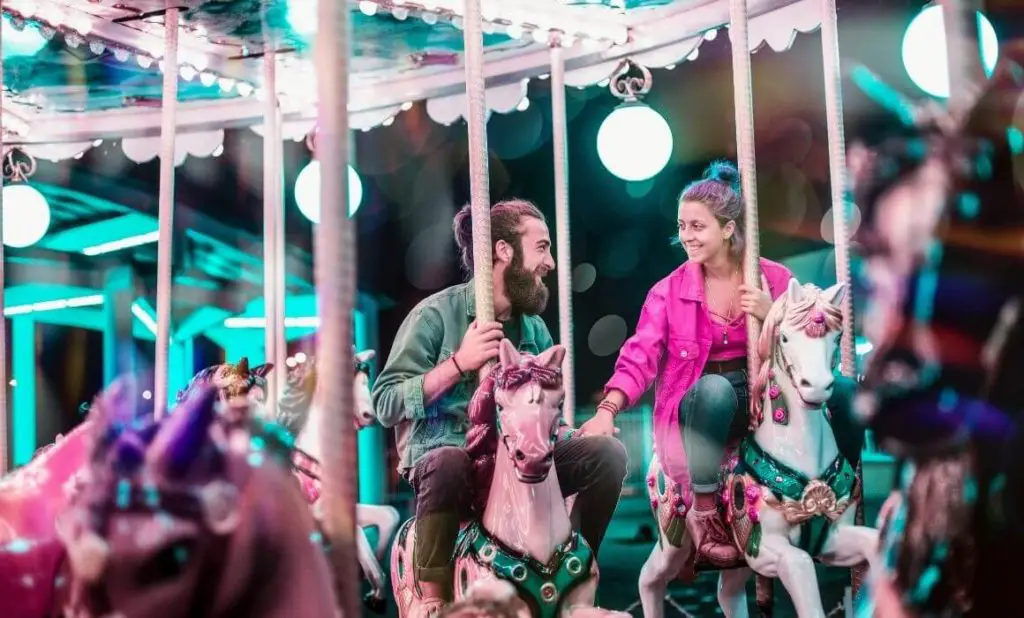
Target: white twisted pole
{"x": 560, "y": 143}
{"x": 273, "y": 235}
{"x": 4, "y": 452}
{"x": 479, "y": 185}
{"x": 837, "y": 173}
{"x": 335, "y": 284}
{"x": 168, "y": 130}
{"x": 963, "y": 57}
{"x": 743, "y": 97}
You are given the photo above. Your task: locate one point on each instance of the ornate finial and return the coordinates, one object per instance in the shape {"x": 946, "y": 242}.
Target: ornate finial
{"x": 630, "y": 88}
{"x": 18, "y": 165}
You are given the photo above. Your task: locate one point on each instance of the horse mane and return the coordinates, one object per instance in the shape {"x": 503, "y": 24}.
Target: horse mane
{"x": 800, "y": 315}
{"x": 482, "y": 438}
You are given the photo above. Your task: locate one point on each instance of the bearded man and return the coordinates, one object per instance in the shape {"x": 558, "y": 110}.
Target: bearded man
{"x": 431, "y": 374}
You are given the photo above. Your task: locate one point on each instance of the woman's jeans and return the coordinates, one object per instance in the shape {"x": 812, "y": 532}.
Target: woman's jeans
{"x": 714, "y": 413}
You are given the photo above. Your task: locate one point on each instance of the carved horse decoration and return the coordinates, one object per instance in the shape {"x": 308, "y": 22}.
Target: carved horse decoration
{"x": 297, "y": 410}
{"x": 523, "y": 536}
{"x": 191, "y": 515}
{"x": 789, "y": 494}
{"x": 32, "y": 496}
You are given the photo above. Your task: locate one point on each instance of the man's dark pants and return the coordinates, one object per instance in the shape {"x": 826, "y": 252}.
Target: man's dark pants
{"x": 593, "y": 467}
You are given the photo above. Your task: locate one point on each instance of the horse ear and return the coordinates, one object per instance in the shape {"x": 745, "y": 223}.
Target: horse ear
{"x": 835, "y": 294}
{"x": 507, "y": 354}
{"x": 365, "y": 356}
{"x": 243, "y": 365}
{"x": 263, "y": 370}
{"x": 183, "y": 434}
{"x": 552, "y": 357}
{"x": 793, "y": 290}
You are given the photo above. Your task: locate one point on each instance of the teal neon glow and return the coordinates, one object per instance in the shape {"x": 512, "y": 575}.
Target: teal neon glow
{"x": 144, "y": 316}
{"x": 23, "y": 370}
{"x": 123, "y": 243}
{"x": 55, "y": 305}
{"x": 298, "y": 322}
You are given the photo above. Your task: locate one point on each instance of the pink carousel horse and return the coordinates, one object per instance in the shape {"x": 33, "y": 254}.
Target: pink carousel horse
{"x": 789, "y": 495}
{"x": 33, "y": 495}
{"x": 523, "y": 537}
{"x": 195, "y": 514}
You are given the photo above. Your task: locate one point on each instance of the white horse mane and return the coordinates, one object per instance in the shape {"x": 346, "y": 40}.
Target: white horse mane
{"x": 800, "y": 312}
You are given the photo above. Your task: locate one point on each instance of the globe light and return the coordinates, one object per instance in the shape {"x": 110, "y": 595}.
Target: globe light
{"x": 302, "y": 15}
{"x": 634, "y": 142}
{"x": 924, "y": 50}
{"x": 26, "y": 215}
{"x": 25, "y": 42}
{"x": 307, "y": 191}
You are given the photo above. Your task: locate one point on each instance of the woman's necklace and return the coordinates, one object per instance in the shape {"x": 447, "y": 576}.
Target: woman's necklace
{"x": 727, "y": 318}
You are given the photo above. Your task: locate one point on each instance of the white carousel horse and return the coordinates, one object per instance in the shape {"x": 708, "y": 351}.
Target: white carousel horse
{"x": 523, "y": 536}
{"x": 297, "y": 402}
{"x": 789, "y": 495}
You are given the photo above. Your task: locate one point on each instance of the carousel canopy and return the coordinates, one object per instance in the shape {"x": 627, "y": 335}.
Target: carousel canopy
{"x": 79, "y": 70}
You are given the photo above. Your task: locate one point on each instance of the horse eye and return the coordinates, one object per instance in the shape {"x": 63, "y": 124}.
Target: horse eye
{"x": 783, "y": 338}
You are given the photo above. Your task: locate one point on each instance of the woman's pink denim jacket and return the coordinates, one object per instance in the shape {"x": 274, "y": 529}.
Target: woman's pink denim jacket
{"x": 669, "y": 349}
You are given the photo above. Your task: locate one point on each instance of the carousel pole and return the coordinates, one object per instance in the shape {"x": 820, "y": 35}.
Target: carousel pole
{"x": 273, "y": 232}
{"x": 479, "y": 185}
{"x": 335, "y": 285}
{"x": 4, "y": 450}
{"x": 963, "y": 54}
{"x": 743, "y": 97}
{"x": 840, "y": 222}
{"x": 168, "y": 127}
{"x": 743, "y": 102}
{"x": 560, "y": 142}
{"x": 837, "y": 173}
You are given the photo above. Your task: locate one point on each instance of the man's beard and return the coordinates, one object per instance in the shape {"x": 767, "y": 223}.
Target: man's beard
{"x": 525, "y": 293}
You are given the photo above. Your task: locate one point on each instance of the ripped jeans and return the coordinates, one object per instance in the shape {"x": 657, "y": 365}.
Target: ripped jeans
{"x": 714, "y": 413}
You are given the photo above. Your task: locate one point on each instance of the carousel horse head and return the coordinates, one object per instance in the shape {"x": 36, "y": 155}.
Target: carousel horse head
{"x": 295, "y": 406}
{"x": 363, "y": 405}
{"x": 518, "y": 404}
{"x": 240, "y": 388}
{"x": 175, "y": 520}
{"x": 798, "y": 340}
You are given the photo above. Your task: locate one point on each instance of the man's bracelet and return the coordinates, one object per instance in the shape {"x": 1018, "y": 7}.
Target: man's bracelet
{"x": 456, "y": 363}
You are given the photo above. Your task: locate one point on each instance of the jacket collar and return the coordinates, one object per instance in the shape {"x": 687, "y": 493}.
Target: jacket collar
{"x": 691, "y": 281}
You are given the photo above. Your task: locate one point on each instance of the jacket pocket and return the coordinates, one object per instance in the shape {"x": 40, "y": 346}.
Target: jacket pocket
{"x": 683, "y": 356}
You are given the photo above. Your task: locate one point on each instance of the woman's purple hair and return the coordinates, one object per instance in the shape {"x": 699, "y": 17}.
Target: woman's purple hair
{"x": 719, "y": 190}
{"x": 506, "y": 220}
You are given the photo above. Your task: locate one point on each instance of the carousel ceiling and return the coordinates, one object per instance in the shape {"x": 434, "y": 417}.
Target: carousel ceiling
{"x": 99, "y": 73}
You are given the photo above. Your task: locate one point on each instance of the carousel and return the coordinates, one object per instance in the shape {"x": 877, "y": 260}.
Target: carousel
{"x": 165, "y": 500}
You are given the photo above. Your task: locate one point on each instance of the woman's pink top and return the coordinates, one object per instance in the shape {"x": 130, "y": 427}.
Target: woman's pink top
{"x": 728, "y": 341}
{"x": 669, "y": 349}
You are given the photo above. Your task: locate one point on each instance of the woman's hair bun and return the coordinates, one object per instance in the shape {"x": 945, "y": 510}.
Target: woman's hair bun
{"x": 724, "y": 172}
